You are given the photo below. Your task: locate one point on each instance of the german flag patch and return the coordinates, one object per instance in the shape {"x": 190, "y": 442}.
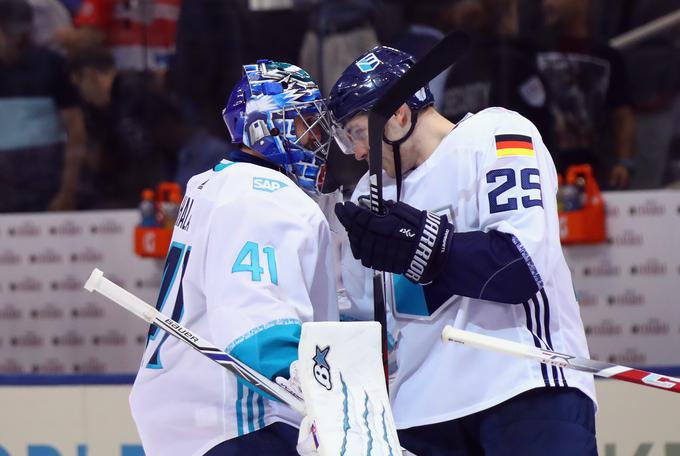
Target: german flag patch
{"x": 514, "y": 146}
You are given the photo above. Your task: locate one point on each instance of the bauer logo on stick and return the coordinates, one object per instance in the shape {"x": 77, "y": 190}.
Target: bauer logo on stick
{"x": 322, "y": 371}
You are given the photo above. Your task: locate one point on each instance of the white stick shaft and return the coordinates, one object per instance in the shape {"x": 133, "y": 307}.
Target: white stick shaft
{"x": 97, "y": 282}
{"x": 476, "y": 340}
{"x": 545, "y": 356}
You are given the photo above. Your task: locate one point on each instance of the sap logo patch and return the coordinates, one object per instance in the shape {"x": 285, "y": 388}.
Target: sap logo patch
{"x": 368, "y": 63}
{"x": 267, "y": 185}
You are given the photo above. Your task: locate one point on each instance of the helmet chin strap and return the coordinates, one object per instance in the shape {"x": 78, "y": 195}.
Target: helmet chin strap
{"x": 395, "y": 149}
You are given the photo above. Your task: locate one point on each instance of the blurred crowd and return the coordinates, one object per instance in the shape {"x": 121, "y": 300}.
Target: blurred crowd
{"x": 100, "y": 99}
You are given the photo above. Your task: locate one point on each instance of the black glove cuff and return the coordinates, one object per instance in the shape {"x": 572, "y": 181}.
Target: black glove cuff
{"x": 429, "y": 256}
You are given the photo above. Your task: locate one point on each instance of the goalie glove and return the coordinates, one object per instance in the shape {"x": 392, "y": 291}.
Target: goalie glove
{"x": 342, "y": 377}
{"x": 307, "y": 443}
{"x": 404, "y": 240}
{"x": 292, "y": 384}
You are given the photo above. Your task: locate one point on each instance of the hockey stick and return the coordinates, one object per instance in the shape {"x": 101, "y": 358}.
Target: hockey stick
{"x": 443, "y": 55}
{"x": 599, "y": 368}
{"x": 97, "y": 282}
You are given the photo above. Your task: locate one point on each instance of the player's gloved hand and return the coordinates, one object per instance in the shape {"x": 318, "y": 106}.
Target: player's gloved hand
{"x": 292, "y": 384}
{"x": 307, "y": 442}
{"x": 404, "y": 240}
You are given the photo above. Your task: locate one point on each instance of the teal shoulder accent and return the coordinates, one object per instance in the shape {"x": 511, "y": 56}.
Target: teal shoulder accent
{"x": 270, "y": 348}
{"x": 220, "y": 166}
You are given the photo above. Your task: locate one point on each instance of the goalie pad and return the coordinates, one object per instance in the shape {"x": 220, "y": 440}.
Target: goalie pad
{"x": 343, "y": 383}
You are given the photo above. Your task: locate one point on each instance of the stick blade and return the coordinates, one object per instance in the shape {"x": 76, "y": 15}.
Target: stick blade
{"x": 445, "y": 53}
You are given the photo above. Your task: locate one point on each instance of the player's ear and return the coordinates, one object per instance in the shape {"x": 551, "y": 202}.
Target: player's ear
{"x": 405, "y": 120}
{"x": 403, "y": 115}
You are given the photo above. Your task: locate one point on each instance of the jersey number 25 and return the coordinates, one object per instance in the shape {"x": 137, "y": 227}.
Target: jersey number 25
{"x": 509, "y": 181}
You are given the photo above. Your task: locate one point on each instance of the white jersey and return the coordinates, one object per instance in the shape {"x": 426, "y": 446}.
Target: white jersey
{"x": 250, "y": 260}
{"x": 485, "y": 175}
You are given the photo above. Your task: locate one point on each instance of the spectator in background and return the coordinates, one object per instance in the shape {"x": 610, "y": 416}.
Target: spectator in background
{"x": 42, "y": 134}
{"x": 587, "y": 89}
{"x": 140, "y": 34}
{"x": 72, "y": 5}
{"x": 345, "y": 29}
{"x": 195, "y": 148}
{"x": 499, "y": 70}
{"x": 654, "y": 68}
{"x": 122, "y": 113}
{"x": 423, "y": 33}
{"x": 214, "y": 37}
{"x": 207, "y": 64}
{"x": 49, "y": 17}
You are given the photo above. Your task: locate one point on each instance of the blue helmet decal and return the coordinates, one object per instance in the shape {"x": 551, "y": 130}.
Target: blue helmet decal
{"x": 233, "y": 112}
{"x": 368, "y": 78}
{"x": 277, "y": 110}
{"x": 368, "y": 63}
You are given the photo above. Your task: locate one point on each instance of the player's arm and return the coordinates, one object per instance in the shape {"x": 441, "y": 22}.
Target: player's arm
{"x": 262, "y": 269}
{"x": 495, "y": 263}
{"x": 423, "y": 247}
{"x": 502, "y": 261}
{"x": 74, "y": 156}
{"x": 71, "y": 115}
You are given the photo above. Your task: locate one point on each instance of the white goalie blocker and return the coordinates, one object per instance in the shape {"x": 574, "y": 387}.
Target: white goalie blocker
{"x": 343, "y": 383}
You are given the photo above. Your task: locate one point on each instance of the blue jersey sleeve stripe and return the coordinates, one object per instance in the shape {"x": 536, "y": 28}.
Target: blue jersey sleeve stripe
{"x": 537, "y": 342}
{"x": 527, "y": 259}
{"x": 542, "y": 329}
{"x": 546, "y": 304}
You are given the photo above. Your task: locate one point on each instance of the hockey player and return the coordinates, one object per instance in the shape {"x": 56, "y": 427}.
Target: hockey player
{"x": 481, "y": 253}
{"x": 250, "y": 261}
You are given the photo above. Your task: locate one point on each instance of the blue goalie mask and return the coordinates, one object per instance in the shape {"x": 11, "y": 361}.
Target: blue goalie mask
{"x": 277, "y": 110}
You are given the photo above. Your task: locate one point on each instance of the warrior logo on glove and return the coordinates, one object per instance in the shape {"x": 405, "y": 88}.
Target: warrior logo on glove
{"x": 428, "y": 238}
{"x": 322, "y": 371}
{"x": 402, "y": 240}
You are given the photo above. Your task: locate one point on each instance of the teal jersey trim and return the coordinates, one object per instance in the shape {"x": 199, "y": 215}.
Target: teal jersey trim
{"x": 270, "y": 348}
{"x": 220, "y": 166}
{"x": 252, "y": 419}
{"x": 249, "y": 408}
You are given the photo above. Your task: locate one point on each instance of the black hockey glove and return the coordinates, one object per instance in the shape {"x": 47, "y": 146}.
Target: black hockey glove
{"x": 404, "y": 240}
